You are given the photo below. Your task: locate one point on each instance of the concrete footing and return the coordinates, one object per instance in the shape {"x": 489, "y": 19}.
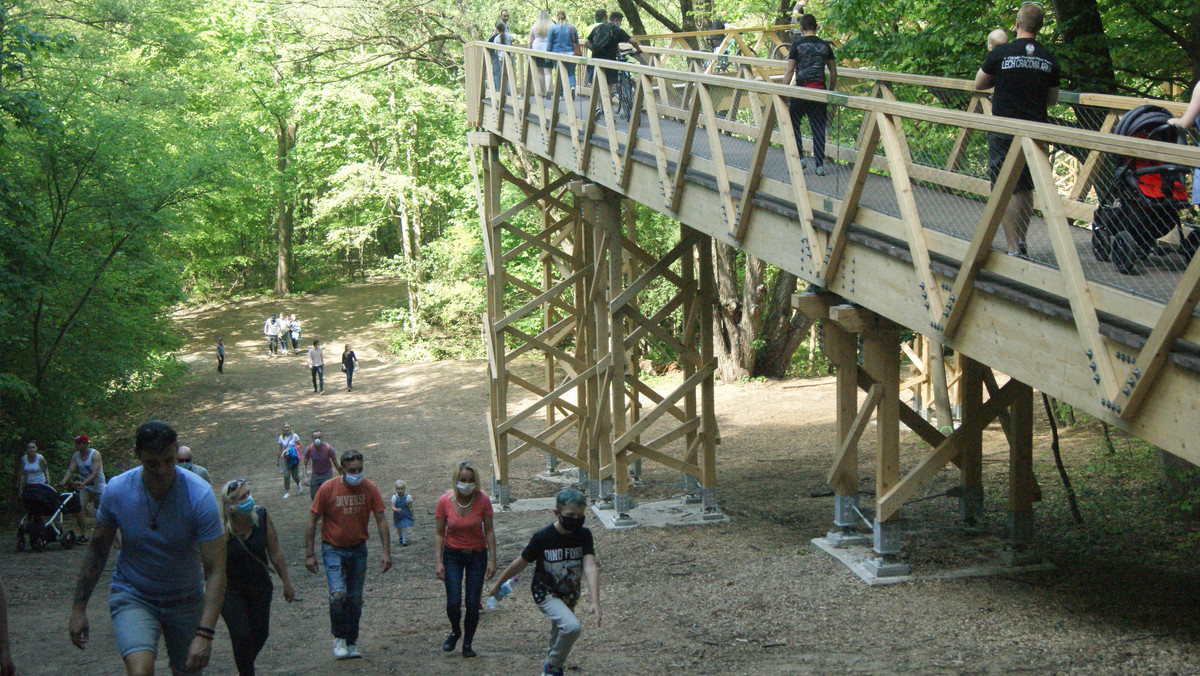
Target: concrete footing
{"x": 659, "y": 513}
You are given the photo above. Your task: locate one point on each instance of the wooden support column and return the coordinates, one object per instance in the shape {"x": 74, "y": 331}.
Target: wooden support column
{"x": 970, "y": 455}
{"x": 615, "y": 231}
{"x": 688, "y": 265}
{"x": 549, "y": 318}
{"x": 705, "y": 300}
{"x": 489, "y": 188}
{"x": 599, "y": 447}
{"x": 1021, "y": 481}
{"x": 841, "y": 346}
{"x": 881, "y": 359}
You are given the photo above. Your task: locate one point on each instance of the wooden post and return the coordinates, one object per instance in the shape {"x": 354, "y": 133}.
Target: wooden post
{"x": 614, "y": 227}
{"x": 841, "y": 346}
{"x": 497, "y": 368}
{"x": 706, "y": 298}
{"x": 881, "y": 359}
{"x": 971, "y": 449}
{"x": 549, "y": 317}
{"x": 688, "y": 265}
{"x": 1021, "y": 482}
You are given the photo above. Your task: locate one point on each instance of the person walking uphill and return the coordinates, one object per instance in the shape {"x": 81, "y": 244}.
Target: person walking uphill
{"x": 464, "y": 549}
{"x": 349, "y": 363}
{"x": 1025, "y": 76}
{"x": 564, "y": 554}
{"x": 90, "y": 466}
{"x": 808, "y": 60}
{"x": 252, "y": 541}
{"x": 344, "y": 506}
{"x": 323, "y": 462}
{"x": 170, "y": 575}
{"x": 316, "y": 362}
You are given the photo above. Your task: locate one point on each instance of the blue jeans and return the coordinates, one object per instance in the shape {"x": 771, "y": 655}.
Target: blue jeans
{"x": 461, "y": 563}
{"x": 350, "y": 377}
{"x": 345, "y": 571}
{"x": 318, "y": 372}
{"x": 138, "y": 623}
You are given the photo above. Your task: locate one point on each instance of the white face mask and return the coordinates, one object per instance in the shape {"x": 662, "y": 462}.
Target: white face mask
{"x": 354, "y": 479}
{"x": 466, "y": 488}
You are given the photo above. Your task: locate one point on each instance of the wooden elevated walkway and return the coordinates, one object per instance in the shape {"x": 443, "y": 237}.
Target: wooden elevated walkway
{"x": 899, "y": 234}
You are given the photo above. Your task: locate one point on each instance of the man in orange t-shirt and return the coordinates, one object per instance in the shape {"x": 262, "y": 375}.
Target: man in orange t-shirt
{"x": 344, "y": 506}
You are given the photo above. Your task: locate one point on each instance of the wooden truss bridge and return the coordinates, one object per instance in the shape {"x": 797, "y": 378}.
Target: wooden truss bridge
{"x": 897, "y": 237}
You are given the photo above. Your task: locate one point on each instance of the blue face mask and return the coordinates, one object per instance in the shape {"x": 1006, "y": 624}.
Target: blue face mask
{"x": 245, "y": 507}
{"x": 354, "y": 479}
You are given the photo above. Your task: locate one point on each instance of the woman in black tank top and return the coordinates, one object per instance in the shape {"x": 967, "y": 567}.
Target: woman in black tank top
{"x": 252, "y": 542}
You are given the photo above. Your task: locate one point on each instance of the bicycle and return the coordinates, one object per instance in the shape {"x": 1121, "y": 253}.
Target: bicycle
{"x": 623, "y": 88}
{"x": 781, "y": 52}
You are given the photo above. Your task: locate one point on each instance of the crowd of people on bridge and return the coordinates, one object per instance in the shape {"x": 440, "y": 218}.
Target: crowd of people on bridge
{"x": 193, "y": 551}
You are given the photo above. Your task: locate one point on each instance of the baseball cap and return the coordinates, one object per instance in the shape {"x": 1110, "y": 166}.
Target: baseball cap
{"x": 81, "y": 437}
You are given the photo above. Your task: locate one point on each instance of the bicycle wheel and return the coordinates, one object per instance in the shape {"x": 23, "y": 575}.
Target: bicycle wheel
{"x": 624, "y": 96}
{"x": 781, "y": 52}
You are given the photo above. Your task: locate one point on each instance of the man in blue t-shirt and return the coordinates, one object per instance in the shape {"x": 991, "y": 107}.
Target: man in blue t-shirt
{"x": 1026, "y": 77}
{"x": 170, "y": 575}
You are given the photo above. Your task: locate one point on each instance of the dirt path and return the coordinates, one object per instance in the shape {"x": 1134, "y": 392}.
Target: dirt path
{"x": 749, "y": 597}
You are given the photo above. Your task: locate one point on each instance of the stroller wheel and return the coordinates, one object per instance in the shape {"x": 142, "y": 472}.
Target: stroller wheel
{"x": 1125, "y": 253}
{"x": 1190, "y": 243}
{"x": 21, "y": 541}
{"x": 67, "y": 539}
{"x": 1102, "y": 244}
{"x": 36, "y": 544}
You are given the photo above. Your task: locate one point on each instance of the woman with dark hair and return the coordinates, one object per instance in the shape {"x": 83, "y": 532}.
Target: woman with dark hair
{"x": 252, "y": 541}
{"x": 32, "y": 469}
{"x": 464, "y": 549}
{"x": 349, "y": 363}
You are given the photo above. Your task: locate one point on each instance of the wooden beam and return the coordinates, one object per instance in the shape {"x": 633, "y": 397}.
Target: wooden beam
{"x": 850, "y": 441}
{"x": 849, "y": 207}
{"x": 1175, "y": 316}
{"x": 981, "y": 242}
{"x": 931, "y": 464}
{"x": 754, "y": 175}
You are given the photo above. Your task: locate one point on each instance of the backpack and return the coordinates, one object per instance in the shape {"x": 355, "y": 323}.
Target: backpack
{"x": 602, "y": 39}
{"x": 293, "y": 456}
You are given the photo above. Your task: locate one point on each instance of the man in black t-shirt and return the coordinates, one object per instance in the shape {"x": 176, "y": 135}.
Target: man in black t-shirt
{"x": 808, "y": 60}
{"x": 605, "y": 42}
{"x": 564, "y": 554}
{"x": 1026, "y": 77}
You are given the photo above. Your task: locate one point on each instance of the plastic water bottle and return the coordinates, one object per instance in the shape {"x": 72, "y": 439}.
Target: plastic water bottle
{"x": 505, "y": 590}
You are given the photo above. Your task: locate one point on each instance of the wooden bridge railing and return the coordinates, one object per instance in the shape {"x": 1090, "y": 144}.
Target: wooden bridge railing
{"x": 908, "y": 239}
{"x": 1099, "y": 112}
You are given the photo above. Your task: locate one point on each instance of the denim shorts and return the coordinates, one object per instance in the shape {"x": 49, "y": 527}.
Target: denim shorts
{"x": 138, "y": 623}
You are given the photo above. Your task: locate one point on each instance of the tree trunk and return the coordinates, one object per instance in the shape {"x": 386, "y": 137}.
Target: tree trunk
{"x": 1084, "y": 54}
{"x": 738, "y": 313}
{"x": 285, "y": 140}
{"x": 783, "y": 329}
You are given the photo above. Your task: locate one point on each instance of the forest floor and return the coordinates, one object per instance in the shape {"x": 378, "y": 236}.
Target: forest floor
{"x": 747, "y": 597}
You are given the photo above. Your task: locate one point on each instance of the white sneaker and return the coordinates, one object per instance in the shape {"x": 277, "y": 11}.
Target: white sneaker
{"x": 340, "y": 651}
{"x": 286, "y": 496}
{"x": 352, "y": 651}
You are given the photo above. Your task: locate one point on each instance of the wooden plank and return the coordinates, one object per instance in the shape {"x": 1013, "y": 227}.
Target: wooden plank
{"x": 898, "y": 159}
{"x": 1153, "y": 356}
{"x": 557, "y": 392}
{"x": 653, "y": 395}
{"x": 649, "y": 417}
{"x": 657, "y": 142}
{"x": 685, "y": 153}
{"x": 718, "y": 156}
{"x": 754, "y": 174}
{"x": 1083, "y": 309}
{"x": 537, "y": 301}
{"x": 1022, "y": 485}
{"x": 800, "y": 196}
{"x": 1084, "y": 180}
{"x": 539, "y": 194}
{"x": 849, "y": 208}
{"x": 850, "y": 441}
{"x": 890, "y": 502}
{"x": 981, "y": 242}
{"x": 963, "y": 136}
{"x": 631, "y": 134}
{"x": 652, "y": 273}
{"x": 566, "y": 359}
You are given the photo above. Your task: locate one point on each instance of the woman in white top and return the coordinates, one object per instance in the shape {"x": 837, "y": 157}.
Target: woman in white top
{"x": 33, "y": 467}
{"x": 539, "y": 38}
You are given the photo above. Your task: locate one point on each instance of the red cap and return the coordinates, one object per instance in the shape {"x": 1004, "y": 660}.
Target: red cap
{"x": 81, "y": 437}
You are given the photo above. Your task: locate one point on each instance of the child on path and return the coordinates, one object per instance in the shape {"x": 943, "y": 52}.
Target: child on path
{"x": 564, "y": 553}
{"x": 402, "y": 514}
{"x": 220, "y": 355}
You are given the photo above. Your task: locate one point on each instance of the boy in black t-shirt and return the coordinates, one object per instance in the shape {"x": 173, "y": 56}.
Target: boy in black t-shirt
{"x": 564, "y": 553}
{"x": 808, "y": 60}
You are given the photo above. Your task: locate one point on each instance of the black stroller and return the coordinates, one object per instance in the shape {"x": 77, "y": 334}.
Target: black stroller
{"x": 1144, "y": 199}
{"x": 43, "y": 520}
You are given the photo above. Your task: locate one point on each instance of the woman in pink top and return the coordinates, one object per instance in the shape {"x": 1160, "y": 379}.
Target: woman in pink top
{"x": 464, "y": 545}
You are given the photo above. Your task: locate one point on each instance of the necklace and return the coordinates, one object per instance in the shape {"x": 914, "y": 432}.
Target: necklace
{"x": 155, "y": 510}
{"x": 469, "y": 502}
